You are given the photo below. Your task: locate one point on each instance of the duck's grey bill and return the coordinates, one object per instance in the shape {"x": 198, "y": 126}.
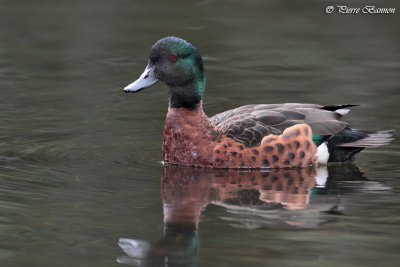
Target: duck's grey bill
{"x": 145, "y": 80}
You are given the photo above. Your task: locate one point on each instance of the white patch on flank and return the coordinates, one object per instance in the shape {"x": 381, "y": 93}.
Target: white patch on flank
{"x": 342, "y": 111}
{"x": 322, "y": 154}
{"x": 322, "y": 177}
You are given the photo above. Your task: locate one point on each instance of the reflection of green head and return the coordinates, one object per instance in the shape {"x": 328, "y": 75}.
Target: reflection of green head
{"x": 178, "y": 64}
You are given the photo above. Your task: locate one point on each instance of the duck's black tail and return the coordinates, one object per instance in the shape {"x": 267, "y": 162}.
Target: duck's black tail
{"x": 344, "y": 145}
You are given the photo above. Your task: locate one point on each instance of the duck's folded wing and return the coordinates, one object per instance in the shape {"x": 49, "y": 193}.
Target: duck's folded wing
{"x": 249, "y": 124}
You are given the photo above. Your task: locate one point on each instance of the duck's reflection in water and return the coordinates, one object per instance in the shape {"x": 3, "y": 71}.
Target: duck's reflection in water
{"x": 254, "y": 199}
{"x": 186, "y": 191}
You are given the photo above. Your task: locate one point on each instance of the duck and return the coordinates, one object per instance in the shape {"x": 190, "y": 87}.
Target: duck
{"x": 250, "y": 136}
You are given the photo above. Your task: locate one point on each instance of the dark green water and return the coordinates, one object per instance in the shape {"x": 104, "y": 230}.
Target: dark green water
{"x": 80, "y": 160}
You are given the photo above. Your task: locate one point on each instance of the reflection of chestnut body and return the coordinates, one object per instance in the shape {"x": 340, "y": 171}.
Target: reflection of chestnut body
{"x": 291, "y": 188}
{"x": 186, "y": 191}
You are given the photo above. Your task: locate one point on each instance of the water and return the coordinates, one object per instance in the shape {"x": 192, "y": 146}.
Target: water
{"x": 80, "y": 161}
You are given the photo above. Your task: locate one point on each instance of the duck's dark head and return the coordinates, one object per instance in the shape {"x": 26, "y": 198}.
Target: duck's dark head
{"x": 176, "y": 63}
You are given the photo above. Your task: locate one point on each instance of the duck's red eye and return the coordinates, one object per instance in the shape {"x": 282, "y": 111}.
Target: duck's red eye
{"x": 172, "y": 58}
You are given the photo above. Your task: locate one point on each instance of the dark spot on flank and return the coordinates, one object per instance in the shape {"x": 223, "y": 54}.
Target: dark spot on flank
{"x": 291, "y": 155}
{"x": 295, "y": 190}
{"x": 228, "y": 144}
{"x": 307, "y": 144}
{"x": 268, "y": 149}
{"x": 265, "y": 162}
{"x": 280, "y": 148}
{"x": 225, "y": 146}
{"x": 241, "y": 147}
{"x": 274, "y": 178}
{"x": 289, "y": 146}
{"x": 233, "y": 153}
{"x": 217, "y": 159}
{"x": 255, "y": 151}
{"x": 297, "y": 144}
{"x": 217, "y": 151}
{"x": 265, "y": 174}
{"x": 275, "y": 158}
{"x": 277, "y": 167}
{"x": 213, "y": 139}
{"x": 253, "y": 158}
{"x": 241, "y": 163}
{"x": 240, "y": 155}
{"x": 301, "y": 155}
{"x": 290, "y": 181}
{"x": 291, "y": 133}
{"x": 286, "y": 162}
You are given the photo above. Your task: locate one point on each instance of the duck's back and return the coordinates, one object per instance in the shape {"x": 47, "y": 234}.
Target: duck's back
{"x": 335, "y": 139}
{"x": 249, "y": 124}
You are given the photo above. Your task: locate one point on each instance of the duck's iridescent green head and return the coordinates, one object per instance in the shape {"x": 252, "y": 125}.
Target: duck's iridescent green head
{"x": 176, "y": 63}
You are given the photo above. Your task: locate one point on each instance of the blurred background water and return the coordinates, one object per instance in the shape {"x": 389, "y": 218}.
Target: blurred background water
{"x": 80, "y": 160}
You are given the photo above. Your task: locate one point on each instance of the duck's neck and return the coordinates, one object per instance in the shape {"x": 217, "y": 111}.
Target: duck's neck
{"x": 182, "y": 117}
{"x": 188, "y": 96}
